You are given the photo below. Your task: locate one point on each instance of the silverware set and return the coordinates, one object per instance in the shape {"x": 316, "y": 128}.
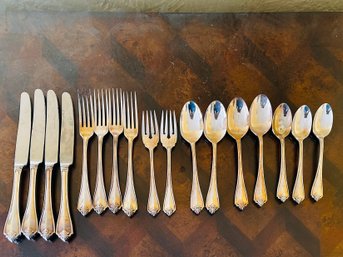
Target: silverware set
{"x": 43, "y": 139}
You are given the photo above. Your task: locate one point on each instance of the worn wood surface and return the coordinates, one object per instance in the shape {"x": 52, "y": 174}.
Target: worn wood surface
{"x": 169, "y": 59}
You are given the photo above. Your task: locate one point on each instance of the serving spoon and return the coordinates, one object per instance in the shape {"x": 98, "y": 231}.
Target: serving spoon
{"x": 191, "y": 128}
{"x": 301, "y": 128}
{"x": 237, "y": 127}
{"x": 260, "y": 123}
{"x": 322, "y": 125}
{"x": 215, "y": 121}
{"x": 281, "y": 126}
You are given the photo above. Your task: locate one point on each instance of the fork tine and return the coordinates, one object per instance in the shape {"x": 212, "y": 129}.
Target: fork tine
{"x": 108, "y": 118}
{"x": 123, "y": 115}
{"x": 131, "y": 111}
{"x": 112, "y": 107}
{"x": 99, "y": 110}
{"x": 79, "y": 107}
{"x": 103, "y": 116}
{"x": 162, "y": 124}
{"x": 109, "y": 101}
{"x": 120, "y": 118}
{"x": 87, "y": 111}
{"x": 136, "y": 115}
{"x": 152, "y": 125}
{"x": 128, "y": 111}
{"x": 170, "y": 124}
{"x": 83, "y": 111}
{"x": 156, "y": 126}
{"x": 143, "y": 125}
{"x": 117, "y": 107}
{"x": 92, "y": 111}
{"x": 175, "y": 128}
{"x": 147, "y": 123}
{"x": 95, "y": 109}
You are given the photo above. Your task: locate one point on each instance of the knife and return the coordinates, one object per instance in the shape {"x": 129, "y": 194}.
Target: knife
{"x": 29, "y": 225}
{"x": 12, "y": 224}
{"x": 64, "y": 228}
{"x": 47, "y": 223}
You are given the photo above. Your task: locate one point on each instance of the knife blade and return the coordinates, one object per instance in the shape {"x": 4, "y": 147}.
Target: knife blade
{"x": 46, "y": 222}
{"x": 29, "y": 225}
{"x": 12, "y": 224}
{"x": 64, "y": 228}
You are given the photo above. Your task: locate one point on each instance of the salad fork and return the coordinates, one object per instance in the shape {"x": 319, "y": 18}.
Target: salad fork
{"x": 86, "y": 128}
{"x": 150, "y": 139}
{"x": 168, "y": 136}
{"x": 101, "y": 129}
{"x": 116, "y": 128}
{"x": 130, "y": 205}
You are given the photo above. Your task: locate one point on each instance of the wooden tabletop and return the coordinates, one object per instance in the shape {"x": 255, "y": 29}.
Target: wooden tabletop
{"x": 169, "y": 59}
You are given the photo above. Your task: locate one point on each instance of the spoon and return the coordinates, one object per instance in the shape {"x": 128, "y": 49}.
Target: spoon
{"x": 301, "y": 128}
{"x": 260, "y": 123}
{"x": 282, "y": 124}
{"x": 322, "y": 125}
{"x": 237, "y": 127}
{"x": 215, "y": 128}
{"x": 191, "y": 128}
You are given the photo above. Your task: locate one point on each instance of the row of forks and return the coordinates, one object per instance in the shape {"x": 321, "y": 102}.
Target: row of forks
{"x": 100, "y": 112}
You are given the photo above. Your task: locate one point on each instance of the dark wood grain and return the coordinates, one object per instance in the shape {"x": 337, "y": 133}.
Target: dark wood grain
{"x": 169, "y": 59}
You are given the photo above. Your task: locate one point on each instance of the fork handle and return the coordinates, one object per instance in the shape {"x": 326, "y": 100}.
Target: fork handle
{"x": 114, "y": 197}
{"x": 317, "y": 187}
{"x": 197, "y": 202}
{"x": 30, "y": 221}
{"x": 298, "y": 194}
{"x": 84, "y": 204}
{"x": 153, "y": 206}
{"x": 12, "y": 224}
{"x": 169, "y": 206}
{"x": 64, "y": 227}
{"x": 47, "y": 222}
{"x": 212, "y": 198}
{"x": 130, "y": 205}
{"x": 100, "y": 199}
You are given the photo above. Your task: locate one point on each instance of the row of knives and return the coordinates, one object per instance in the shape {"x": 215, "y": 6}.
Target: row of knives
{"x": 38, "y": 138}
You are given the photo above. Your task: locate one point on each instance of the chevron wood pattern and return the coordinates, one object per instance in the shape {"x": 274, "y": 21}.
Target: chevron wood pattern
{"x": 169, "y": 59}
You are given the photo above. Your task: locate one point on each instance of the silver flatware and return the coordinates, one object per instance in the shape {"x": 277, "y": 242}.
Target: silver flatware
{"x": 101, "y": 111}
{"x": 191, "y": 128}
{"x": 281, "y": 126}
{"x": 29, "y": 224}
{"x": 237, "y": 127}
{"x": 12, "y": 229}
{"x": 47, "y": 222}
{"x": 130, "y": 205}
{"x": 116, "y": 129}
{"x": 64, "y": 227}
{"x": 301, "y": 128}
{"x": 215, "y": 123}
{"x": 168, "y": 134}
{"x": 322, "y": 125}
{"x": 86, "y": 130}
{"x": 150, "y": 137}
{"x": 260, "y": 123}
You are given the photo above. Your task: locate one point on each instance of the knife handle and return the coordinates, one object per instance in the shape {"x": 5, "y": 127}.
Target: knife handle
{"x": 47, "y": 222}
{"x": 12, "y": 224}
{"x": 64, "y": 228}
{"x": 29, "y": 225}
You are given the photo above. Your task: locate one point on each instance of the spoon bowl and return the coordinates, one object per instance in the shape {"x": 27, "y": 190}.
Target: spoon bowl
{"x": 191, "y": 122}
{"x": 260, "y": 115}
{"x": 237, "y": 118}
{"x": 282, "y": 121}
{"x": 215, "y": 121}
{"x": 323, "y": 120}
{"x": 302, "y": 123}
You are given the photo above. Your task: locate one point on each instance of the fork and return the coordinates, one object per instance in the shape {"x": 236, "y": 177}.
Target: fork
{"x": 150, "y": 139}
{"x": 86, "y": 128}
{"x": 168, "y": 139}
{"x": 116, "y": 128}
{"x": 130, "y": 204}
{"x": 101, "y": 129}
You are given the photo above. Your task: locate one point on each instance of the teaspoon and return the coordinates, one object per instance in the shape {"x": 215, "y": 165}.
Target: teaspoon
{"x": 237, "y": 127}
{"x": 191, "y": 128}
{"x": 260, "y": 123}
{"x": 215, "y": 128}
{"x": 322, "y": 125}
{"x": 301, "y": 128}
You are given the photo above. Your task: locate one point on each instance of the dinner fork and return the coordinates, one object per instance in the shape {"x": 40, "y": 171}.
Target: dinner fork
{"x": 101, "y": 129}
{"x": 116, "y": 128}
{"x": 150, "y": 139}
{"x": 168, "y": 139}
{"x": 130, "y": 204}
{"x": 86, "y": 128}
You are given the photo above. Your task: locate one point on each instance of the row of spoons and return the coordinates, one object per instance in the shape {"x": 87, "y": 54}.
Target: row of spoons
{"x": 236, "y": 121}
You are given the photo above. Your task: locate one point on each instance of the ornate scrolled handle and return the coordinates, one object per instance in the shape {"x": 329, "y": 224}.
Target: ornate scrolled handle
{"x": 169, "y": 206}
{"x": 298, "y": 190}
{"x": 317, "y": 187}
{"x": 153, "y": 206}
{"x": 12, "y": 225}
{"x": 29, "y": 225}
{"x": 64, "y": 227}
{"x": 260, "y": 194}
{"x": 282, "y": 189}
{"x": 100, "y": 200}
{"x": 197, "y": 202}
{"x": 130, "y": 205}
{"x": 212, "y": 198}
{"x": 47, "y": 222}
{"x": 241, "y": 197}
{"x": 114, "y": 197}
{"x": 84, "y": 204}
